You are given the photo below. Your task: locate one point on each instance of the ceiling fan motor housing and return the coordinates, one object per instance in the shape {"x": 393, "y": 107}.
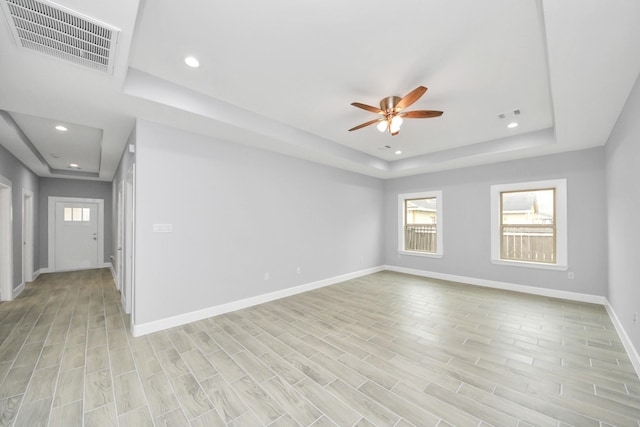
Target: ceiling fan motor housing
{"x": 389, "y": 103}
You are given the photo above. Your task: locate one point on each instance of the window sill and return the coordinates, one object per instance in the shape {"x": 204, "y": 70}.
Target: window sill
{"x": 422, "y": 254}
{"x": 528, "y": 264}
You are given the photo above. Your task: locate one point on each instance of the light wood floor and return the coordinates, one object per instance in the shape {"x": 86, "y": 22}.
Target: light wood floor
{"x": 383, "y": 350}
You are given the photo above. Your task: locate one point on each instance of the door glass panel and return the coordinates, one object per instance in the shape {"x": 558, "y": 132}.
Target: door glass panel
{"x": 77, "y": 214}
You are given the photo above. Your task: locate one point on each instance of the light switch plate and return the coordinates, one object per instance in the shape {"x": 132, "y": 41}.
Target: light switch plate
{"x": 162, "y": 228}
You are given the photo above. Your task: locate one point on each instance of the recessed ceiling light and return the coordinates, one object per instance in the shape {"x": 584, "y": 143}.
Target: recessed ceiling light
{"x": 398, "y": 152}
{"x": 512, "y": 125}
{"x": 61, "y": 128}
{"x": 74, "y": 165}
{"x": 192, "y": 62}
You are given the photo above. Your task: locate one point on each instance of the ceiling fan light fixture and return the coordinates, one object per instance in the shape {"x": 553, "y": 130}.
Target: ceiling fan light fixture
{"x": 390, "y": 108}
{"x": 394, "y": 126}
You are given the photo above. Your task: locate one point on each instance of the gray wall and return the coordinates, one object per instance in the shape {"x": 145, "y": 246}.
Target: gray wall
{"x": 58, "y": 187}
{"x": 467, "y": 239}
{"x": 21, "y": 178}
{"x": 623, "y": 204}
{"x": 238, "y": 213}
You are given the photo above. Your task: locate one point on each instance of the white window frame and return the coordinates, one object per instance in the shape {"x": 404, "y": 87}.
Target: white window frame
{"x": 560, "y": 187}
{"x": 439, "y": 236}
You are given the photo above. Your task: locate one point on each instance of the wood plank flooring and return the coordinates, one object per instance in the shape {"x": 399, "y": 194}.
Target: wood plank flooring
{"x": 383, "y": 350}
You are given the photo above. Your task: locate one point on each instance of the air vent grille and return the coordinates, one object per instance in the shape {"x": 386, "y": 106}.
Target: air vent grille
{"x": 63, "y": 33}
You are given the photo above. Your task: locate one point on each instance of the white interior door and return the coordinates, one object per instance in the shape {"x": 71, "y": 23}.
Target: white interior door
{"x": 27, "y": 236}
{"x": 76, "y": 239}
{"x": 120, "y": 237}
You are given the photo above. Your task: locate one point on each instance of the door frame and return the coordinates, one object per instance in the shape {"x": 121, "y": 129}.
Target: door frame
{"x": 27, "y": 236}
{"x": 6, "y": 240}
{"x": 129, "y": 243}
{"x": 52, "y": 228}
{"x": 120, "y": 236}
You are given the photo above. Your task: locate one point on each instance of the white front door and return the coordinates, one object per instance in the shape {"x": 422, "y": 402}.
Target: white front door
{"x": 76, "y": 239}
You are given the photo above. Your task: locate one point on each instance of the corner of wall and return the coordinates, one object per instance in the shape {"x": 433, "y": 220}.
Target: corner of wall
{"x": 626, "y": 341}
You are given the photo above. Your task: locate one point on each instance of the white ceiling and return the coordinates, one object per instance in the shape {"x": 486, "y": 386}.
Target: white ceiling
{"x": 281, "y": 75}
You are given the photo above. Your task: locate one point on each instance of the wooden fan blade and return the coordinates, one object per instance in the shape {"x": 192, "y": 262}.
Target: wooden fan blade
{"x": 367, "y": 124}
{"x": 367, "y": 107}
{"x": 411, "y": 97}
{"x": 420, "y": 114}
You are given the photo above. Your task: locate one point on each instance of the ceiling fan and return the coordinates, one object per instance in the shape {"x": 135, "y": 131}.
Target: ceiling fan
{"x": 391, "y": 111}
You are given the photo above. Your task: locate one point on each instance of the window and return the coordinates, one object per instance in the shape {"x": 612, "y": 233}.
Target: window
{"x": 528, "y": 224}
{"x": 420, "y": 224}
{"x": 77, "y": 214}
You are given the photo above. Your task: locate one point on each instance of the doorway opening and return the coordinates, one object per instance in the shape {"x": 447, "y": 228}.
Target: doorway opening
{"x": 27, "y": 236}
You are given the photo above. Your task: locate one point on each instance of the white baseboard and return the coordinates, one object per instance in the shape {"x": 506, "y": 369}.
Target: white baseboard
{"x": 36, "y": 274}
{"x": 17, "y": 291}
{"x": 181, "y": 319}
{"x": 553, "y": 293}
{"x": 626, "y": 341}
{"x": 113, "y": 273}
{"x": 50, "y": 270}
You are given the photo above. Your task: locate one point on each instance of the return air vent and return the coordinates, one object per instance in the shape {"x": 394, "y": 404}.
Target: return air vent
{"x": 63, "y": 33}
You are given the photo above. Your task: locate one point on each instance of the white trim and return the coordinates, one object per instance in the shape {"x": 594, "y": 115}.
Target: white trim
{"x": 560, "y": 185}
{"x": 119, "y": 240}
{"x": 6, "y": 240}
{"x": 181, "y": 319}
{"x": 626, "y": 341}
{"x": 52, "y": 227}
{"x": 18, "y": 290}
{"x": 422, "y": 254}
{"x": 533, "y": 290}
{"x": 50, "y": 270}
{"x": 530, "y": 264}
{"x": 127, "y": 294}
{"x": 437, "y": 194}
{"x": 36, "y": 274}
